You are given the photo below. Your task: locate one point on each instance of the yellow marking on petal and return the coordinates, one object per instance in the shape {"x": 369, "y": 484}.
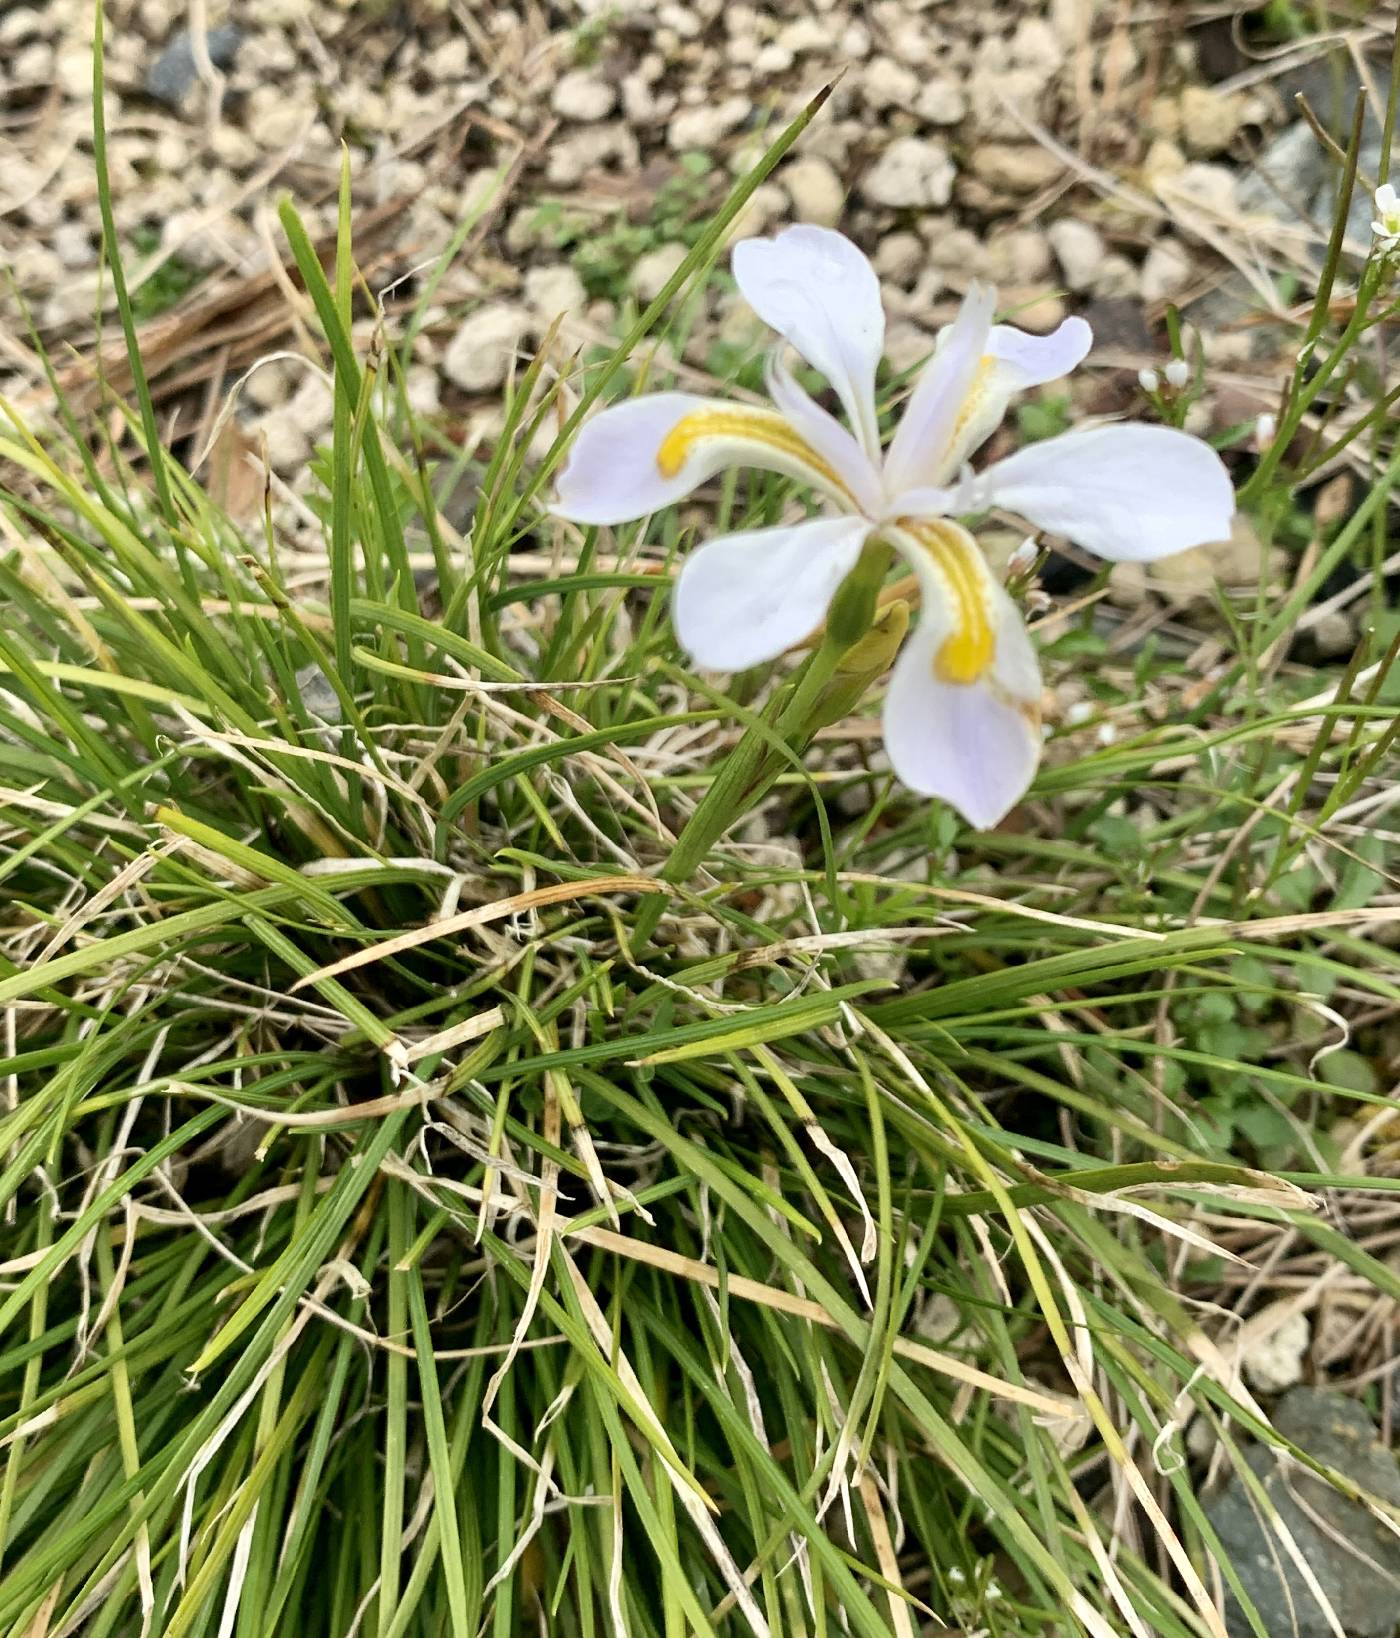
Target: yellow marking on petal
{"x": 976, "y": 391}
{"x": 967, "y": 651}
{"x": 751, "y": 426}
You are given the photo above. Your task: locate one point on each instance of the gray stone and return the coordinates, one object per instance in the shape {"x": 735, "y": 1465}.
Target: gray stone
{"x": 552, "y": 291}
{"x": 1293, "y": 176}
{"x": 1079, "y": 249}
{"x": 583, "y": 97}
{"x": 1354, "y": 1557}
{"x": 653, "y": 272}
{"x": 912, "y": 171}
{"x": 701, "y": 129}
{"x": 1210, "y": 120}
{"x": 1166, "y": 271}
{"x": 480, "y": 355}
{"x": 815, "y": 190}
{"x": 174, "y": 72}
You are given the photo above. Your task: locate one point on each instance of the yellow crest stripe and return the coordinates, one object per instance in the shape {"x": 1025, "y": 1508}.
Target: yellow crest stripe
{"x": 772, "y": 432}
{"x": 967, "y": 651}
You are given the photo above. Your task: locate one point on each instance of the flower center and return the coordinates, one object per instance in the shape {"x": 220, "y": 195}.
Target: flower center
{"x": 967, "y": 650}
{"x": 775, "y": 435}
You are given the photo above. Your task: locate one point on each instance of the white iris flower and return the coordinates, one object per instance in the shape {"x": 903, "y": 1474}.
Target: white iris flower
{"x": 962, "y": 713}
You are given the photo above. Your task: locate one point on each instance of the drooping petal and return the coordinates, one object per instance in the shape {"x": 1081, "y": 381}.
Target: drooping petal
{"x": 745, "y": 598}
{"x": 1127, "y": 493}
{"x": 820, "y": 293}
{"x": 918, "y": 452}
{"x": 965, "y": 389}
{"x": 975, "y": 745}
{"x": 649, "y": 452}
{"x": 962, "y": 715}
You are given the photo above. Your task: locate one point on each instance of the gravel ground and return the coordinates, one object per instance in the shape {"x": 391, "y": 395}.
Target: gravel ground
{"x": 1087, "y": 155}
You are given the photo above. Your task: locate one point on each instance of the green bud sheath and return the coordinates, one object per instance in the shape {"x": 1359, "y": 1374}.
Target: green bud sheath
{"x": 866, "y": 659}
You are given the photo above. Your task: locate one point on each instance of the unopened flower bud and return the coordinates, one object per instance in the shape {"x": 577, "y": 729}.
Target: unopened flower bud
{"x": 865, "y": 660}
{"x": 1178, "y": 373}
{"x": 875, "y": 651}
{"x": 1149, "y": 380}
{"x": 1023, "y": 557}
{"x": 1265, "y": 430}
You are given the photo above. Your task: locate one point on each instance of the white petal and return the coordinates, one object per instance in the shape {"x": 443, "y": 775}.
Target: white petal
{"x": 1030, "y": 361}
{"x": 650, "y": 452}
{"x": 963, "y": 394}
{"x": 1128, "y": 493}
{"x": 745, "y": 598}
{"x": 928, "y": 503}
{"x": 976, "y": 745}
{"x": 820, "y": 293}
{"x": 918, "y": 455}
{"x": 825, "y": 434}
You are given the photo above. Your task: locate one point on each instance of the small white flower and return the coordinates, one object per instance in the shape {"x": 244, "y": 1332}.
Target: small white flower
{"x": 1178, "y": 373}
{"x": 1149, "y": 380}
{"x": 1386, "y": 226}
{"x": 962, "y": 712}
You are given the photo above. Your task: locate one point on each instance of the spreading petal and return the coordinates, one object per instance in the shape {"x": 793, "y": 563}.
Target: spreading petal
{"x": 1127, "y": 493}
{"x": 745, "y": 598}
{"x": 821, "y": 294}
{"x": 963, "y": 393}
{"x": 652, "y": 451}
{"x": 962, "y": 715}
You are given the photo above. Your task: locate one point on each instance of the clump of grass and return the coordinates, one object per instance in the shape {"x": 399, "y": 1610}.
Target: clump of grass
{"x": 397, "y": 1242}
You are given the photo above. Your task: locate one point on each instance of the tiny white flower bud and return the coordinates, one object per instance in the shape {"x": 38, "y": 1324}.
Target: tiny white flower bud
{"x": 1265, "y": 430}
{"x": 1107, "y": 733}
{"x": 1149, "y": 380}
{"x": 1079, "y": 712}
{"x": 1024, "y": 555}
{"x": 1178, "y": 373}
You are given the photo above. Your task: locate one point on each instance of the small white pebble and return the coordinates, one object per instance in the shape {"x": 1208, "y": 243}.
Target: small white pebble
{"x": 1274, "y": 1358}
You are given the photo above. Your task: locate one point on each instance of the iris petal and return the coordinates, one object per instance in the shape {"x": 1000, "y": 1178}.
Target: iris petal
{"x": 821, "y": 294}
{"x": 650, "y": 452}
{"x": 745, "y": 598}
{"x": 1127, "y": 493}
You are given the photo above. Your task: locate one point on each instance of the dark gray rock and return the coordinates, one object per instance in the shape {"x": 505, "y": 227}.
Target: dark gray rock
{"x": 1295, "y": 177}
{"x": 174, "y": 72}
{"x": 1355, "y": 1558}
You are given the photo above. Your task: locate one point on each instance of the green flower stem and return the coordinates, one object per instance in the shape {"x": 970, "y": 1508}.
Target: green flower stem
{"x": 755, "y": 762}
